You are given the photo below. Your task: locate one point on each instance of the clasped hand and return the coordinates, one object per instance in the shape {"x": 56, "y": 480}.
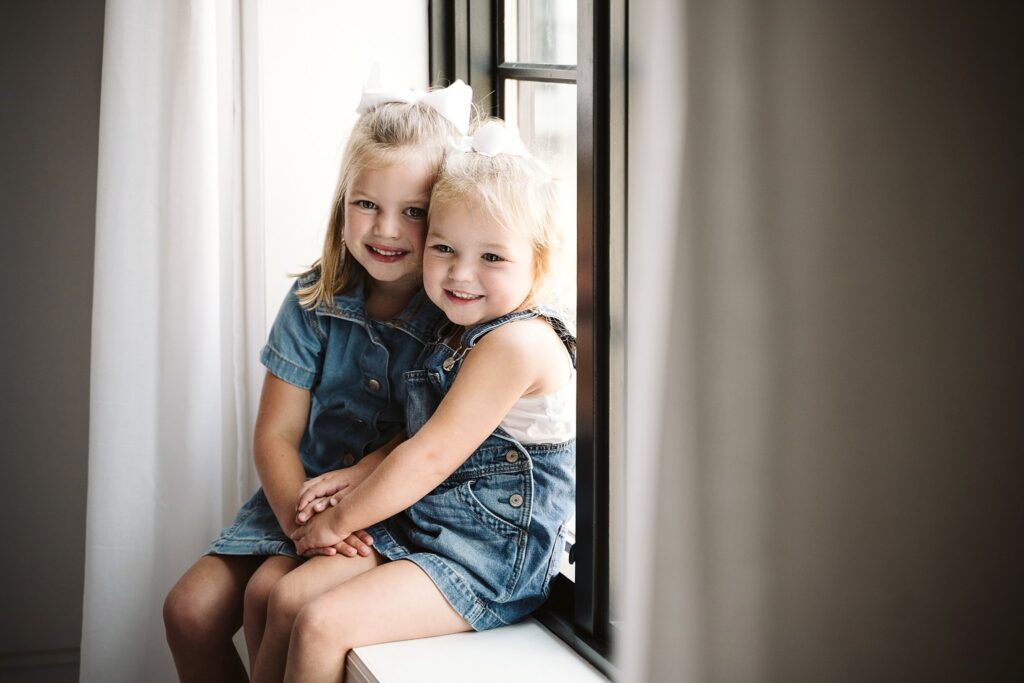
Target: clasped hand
{"x": 315, "y": 534}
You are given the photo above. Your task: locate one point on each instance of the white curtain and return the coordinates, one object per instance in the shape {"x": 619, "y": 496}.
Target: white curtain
{"x": 177, "y": 322}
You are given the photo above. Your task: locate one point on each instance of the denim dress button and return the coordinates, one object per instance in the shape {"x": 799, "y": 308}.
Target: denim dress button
{"x": 373, "y": 384}
{"x": 348, "y": 459}
{"x": 515, "y": 500}
{"x": 512, "y": 456}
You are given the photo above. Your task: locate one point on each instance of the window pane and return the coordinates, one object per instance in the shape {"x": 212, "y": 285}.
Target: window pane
{"x": 546, "y": 116}
{"x": 540, "y": 31}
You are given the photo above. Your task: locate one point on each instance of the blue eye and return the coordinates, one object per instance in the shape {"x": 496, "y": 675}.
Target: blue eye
{"x": 365, "y": 204}
{"x": 416, "y": 212}
{"x": 442, "y": 248}
{"x": 491, "y": 258}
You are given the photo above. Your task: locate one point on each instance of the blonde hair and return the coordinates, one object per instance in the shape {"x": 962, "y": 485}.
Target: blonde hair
{"x": 381, "y": 137}
{"x": 518, "y": 192}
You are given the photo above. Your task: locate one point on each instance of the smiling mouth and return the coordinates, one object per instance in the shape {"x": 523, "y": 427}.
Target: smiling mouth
{"x": 387, "y": 255}
{"x": 462, "y": 297}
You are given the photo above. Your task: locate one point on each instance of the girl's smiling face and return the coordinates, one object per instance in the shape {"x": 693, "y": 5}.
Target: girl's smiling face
{"x": 386, "y": 219}
{"x": 474, "y": 269}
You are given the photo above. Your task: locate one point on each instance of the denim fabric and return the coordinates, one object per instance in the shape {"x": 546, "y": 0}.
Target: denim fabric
{"x": 491, "y": 535}
{"x": 353, "y": 368}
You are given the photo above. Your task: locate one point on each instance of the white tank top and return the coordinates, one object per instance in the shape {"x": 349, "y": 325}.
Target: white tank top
{"x": 544, "y": 419}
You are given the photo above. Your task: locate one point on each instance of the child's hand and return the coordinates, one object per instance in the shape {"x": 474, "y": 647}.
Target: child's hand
{"x": 327, "y": 485}
{"x": 313, "y": 507}
{"x": 356, "y": 544}
{"x": 318, "y": 534}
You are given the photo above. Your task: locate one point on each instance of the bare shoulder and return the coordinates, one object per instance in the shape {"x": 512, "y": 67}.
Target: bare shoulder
{"x": 534, "y": 347}
{"x": 527, "y": 338}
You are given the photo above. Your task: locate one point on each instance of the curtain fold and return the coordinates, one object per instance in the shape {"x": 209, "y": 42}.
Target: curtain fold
{"x": 174, "y": 323}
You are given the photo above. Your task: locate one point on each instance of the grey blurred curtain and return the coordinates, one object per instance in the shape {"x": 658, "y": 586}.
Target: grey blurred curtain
{"x": 825, "y": 411}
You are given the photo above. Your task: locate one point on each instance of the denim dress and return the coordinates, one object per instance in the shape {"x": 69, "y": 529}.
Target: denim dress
{"x": 353, "y": 368}
{"x": 491, "y": 535}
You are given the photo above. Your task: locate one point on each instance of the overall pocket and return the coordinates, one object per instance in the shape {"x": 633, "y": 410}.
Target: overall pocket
{"x": 502, "y": 499}
{"x": 498, "y": 508}
{"x": 484, "y": 544}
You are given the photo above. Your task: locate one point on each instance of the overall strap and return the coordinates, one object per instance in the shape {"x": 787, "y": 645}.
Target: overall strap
{"x": 563, "y": 332}
{"x": 473, "y": 334}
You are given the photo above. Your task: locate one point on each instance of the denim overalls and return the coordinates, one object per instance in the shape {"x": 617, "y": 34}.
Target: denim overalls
{"x": 353, "y": 368}
{"x": 491, "y": 535}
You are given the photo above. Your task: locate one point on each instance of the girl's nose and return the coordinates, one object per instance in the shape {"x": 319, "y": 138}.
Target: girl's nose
{"x": 386, "y": 225}
{"x": 460, "y": 272}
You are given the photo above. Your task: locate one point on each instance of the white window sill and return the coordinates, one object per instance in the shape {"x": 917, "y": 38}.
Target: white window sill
{"x": 523, "y": 652}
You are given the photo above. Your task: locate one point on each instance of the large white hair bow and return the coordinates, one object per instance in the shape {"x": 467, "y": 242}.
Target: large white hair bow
{"x": 453, "y": 102}
{"x": 493, "y": 138}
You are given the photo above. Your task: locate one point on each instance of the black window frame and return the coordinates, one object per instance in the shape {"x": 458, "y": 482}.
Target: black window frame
{"x": 466, "y": 41}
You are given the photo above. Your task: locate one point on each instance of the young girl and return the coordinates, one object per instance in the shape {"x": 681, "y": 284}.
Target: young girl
{"x": 476, "y": 499}
{"x": 333, "y": 393}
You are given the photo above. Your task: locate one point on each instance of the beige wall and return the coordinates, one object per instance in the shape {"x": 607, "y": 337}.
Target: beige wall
{"x": 50, "y": 80}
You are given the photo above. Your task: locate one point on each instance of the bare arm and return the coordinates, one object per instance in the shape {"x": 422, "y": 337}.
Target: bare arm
{"x": 328, "y": 488}
{"x": 283, "y": 412}
{"x": 503, "y": 367}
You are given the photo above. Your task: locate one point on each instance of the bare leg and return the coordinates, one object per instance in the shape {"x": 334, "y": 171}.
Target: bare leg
{"x": 290, "y": 594}
{"x": 202, "y": 613}
{"x": 257, "y": 595}
{"x": 395, "y": 601}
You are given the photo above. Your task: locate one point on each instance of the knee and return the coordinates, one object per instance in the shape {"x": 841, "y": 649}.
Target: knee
{"x": 188, "y": 616}
{"x": 257, "y": 594}
{"x": 320, "y": 634}
{"x": 286, "y": 598}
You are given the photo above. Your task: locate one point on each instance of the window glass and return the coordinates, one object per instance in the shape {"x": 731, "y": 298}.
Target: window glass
{"x": 546, "y": 116}
{"x": 540, "y": 31}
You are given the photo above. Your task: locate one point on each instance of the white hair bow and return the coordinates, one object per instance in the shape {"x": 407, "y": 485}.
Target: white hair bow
{"x": 453, "y": 102}
{"x": 493, "y": 138}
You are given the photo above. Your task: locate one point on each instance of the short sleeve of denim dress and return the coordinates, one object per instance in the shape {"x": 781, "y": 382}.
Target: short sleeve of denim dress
{"x": 353, "y": 368}
{"x": 491, "y": 535}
